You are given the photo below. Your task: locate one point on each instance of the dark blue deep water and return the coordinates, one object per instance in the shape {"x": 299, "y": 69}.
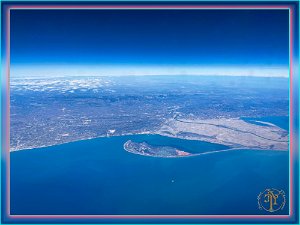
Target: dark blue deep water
{"x": 99, "y": 177}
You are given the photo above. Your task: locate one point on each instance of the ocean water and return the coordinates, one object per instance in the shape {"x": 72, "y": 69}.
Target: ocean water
{"x": 280, "y": 121}
{"x": 98, "y": 176}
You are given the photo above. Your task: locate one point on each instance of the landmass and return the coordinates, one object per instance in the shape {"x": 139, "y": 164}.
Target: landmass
{"x": 146, "y": 149}
{"x": 232, "y": 132}
{"x": 52, "y": 111}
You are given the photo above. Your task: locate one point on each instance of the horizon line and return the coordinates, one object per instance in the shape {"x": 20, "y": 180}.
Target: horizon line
{"x": 147, "y": 70}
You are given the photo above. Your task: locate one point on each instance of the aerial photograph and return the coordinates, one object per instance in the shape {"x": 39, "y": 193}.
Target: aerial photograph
{"x": 149, "y": 112}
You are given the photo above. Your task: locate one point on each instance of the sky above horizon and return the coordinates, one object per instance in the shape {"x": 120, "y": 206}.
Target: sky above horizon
{"x": 149, "y": 42}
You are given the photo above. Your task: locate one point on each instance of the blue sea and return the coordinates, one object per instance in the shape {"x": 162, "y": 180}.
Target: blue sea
{"x": 280, "y": 121}
{"x": 98, "y": 176}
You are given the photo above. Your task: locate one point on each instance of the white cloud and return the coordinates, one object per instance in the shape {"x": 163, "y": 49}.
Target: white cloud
{"x": 120, "y": 70}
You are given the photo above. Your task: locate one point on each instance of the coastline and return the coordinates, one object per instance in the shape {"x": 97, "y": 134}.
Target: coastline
{"x": 129, "y": 135}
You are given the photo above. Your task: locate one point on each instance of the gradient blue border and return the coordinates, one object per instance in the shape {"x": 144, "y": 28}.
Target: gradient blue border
{"x": 295, "y": 81}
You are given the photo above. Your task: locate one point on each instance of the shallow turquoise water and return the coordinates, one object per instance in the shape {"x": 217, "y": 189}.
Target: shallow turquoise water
{"x": 99, "y": 177}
